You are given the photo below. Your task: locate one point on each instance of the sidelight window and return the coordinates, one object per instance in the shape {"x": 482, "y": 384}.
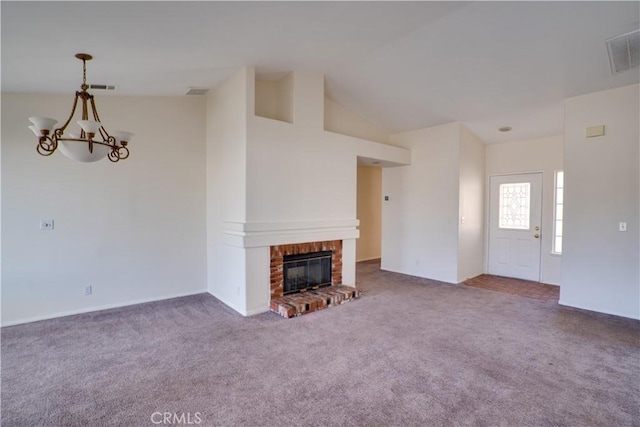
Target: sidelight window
{"x": 558, "y": 213}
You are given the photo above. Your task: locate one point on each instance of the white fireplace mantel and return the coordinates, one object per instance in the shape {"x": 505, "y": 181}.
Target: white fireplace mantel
{"x": 257, "y": 234}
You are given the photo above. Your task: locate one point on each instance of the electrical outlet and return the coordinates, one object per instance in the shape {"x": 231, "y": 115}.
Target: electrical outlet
{"x": 88, "y": 290}
{"x": 46, "y": 224}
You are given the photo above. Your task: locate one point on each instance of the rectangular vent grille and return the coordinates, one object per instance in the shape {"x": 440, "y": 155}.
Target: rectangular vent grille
{"x": 197, "y": 91}
{"x": 103, "y": 87}
{"x": 624, "y": 52}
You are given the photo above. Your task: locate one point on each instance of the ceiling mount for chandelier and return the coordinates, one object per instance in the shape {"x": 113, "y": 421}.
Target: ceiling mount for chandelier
{"x": 81, "y": 146}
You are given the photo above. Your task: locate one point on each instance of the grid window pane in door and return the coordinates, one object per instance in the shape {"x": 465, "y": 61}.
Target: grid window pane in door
{"x": 514, "y": 208}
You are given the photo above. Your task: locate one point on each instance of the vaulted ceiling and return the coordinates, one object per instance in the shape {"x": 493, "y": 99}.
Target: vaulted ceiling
{"x": 401, "y": 65}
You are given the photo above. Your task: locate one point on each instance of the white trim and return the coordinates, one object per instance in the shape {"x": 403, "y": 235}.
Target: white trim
{"x": 255, "y": 311}
{"x": 242, "y": 312}
{"x": 248, "y": 227}
{"x": 597, "y": 310}
{"x": 445, "y": 282}
{"x": 98, "y": 308}
{"x": 228, "y": 304}
{"x": 260, "y": 234}
{"x": 369, "y": 259}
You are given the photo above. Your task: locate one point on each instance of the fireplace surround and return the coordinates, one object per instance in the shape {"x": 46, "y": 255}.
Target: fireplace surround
{"x": 295, "y": 253}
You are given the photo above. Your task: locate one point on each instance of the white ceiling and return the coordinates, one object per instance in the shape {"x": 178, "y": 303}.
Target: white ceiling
{"x": 402, "y": 65}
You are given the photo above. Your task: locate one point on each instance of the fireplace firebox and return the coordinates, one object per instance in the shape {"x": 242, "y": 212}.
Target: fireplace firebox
{"x": 306, "y": 271}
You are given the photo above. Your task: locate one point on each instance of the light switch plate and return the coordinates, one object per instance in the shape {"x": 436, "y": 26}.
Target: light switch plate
{"x": 622, "y": 226}
{"x": 594, "y": 131}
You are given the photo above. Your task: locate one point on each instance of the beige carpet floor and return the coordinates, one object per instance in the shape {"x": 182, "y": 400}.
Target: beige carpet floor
{"x": 409, "y": 352}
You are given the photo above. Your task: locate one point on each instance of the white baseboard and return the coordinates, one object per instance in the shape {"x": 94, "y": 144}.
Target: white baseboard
{"x": 382, "y": 267}
{"x": 255, "y": 311}
{"x": 227, "y": 303}
{"x": 597, "y": 310}
{"x": 368, "y": 259}
{"x": 97, "y": 308}
{"x": 245, "y": 313}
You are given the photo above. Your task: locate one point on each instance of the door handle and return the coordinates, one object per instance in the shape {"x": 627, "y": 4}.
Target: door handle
{"x": 537, "y": 228}
{"x": 537, "y": 236}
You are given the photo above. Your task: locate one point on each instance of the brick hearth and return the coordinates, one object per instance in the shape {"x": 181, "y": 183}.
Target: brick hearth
{"x": 310, "y": 301}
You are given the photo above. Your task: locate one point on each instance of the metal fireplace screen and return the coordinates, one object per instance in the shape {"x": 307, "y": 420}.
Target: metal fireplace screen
{"x": 306, "y": 271}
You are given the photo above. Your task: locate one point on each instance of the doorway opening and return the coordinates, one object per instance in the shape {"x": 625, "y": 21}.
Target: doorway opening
{"x": 369, "y": 212}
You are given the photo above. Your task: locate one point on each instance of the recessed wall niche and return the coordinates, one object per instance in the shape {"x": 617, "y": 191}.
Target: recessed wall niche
{"x": 274, "y": 97}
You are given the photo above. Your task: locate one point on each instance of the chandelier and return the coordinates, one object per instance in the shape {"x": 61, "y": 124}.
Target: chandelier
{"x": 81, "y": 146}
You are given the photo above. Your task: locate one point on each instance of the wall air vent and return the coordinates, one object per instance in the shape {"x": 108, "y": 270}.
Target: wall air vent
{"x": 197, "y": 91}
{"x": 624, "y": 52}
{"x": 103, "y": 87}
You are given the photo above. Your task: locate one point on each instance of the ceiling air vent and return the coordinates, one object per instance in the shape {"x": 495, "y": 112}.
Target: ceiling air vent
{"x": 197, "y": 91}
{"x": 624, "y": 52}
{"x": 103, "y": 87}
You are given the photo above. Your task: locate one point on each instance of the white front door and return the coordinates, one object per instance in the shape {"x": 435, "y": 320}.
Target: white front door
{"x": 515, "y": 210}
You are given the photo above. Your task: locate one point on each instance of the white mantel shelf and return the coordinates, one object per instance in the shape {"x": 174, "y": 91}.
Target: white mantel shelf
{"x": 258, "y": 234}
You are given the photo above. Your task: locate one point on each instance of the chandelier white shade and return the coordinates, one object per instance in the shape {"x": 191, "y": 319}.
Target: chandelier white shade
{"x": 80, "y": 153}
{"x": 121, "y": 135}
{"x": 89, "y": 126}
{"x": 43, "y": 123}
{"x": 81, "y": 146}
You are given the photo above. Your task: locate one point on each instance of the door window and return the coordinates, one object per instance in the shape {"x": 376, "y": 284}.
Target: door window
{"x": 515, "y": 200}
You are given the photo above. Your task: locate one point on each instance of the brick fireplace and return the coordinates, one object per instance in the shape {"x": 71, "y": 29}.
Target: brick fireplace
{"x": 312, "y": 298}
{"x": 278, "y": 253}
{"x": 256, "y": 253}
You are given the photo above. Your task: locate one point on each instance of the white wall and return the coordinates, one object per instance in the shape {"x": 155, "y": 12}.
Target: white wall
{"x": 287, "y": 182}
{"x": 302, "y": 181}
{"x": 294, "y": 174}
{"x": 226, "y": 199}
{"x": 298, "y": 172}
{"x": 369, "y": 213}
{"x": 535, "y": 155}
{"x": 341, "y": 120}
{"x": 134, "y": 231}
{"x": 267, "y": 99}
{"x": 420, "y": 220}
{"x": 274, "y": 99}
{"x": 600, "y": 265}
{"x": 471, "y": 206}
